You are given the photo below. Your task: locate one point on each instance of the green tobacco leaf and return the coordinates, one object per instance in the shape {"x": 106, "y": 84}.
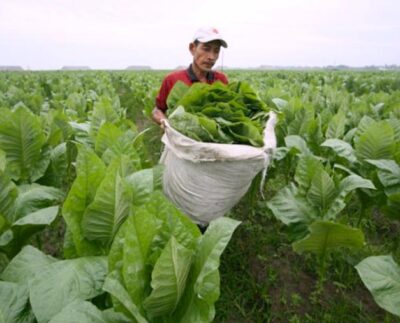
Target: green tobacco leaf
{"x": 57, "y": 173}
{"x": 297, "y": 142}
{"x": 103, "y": 111}
{"x": 79, "y": 311}
{"x": 26, "y": 264}
{"x": 289, "y": 208}
{"x": 168, "y": 279}
{"x": 8, "y": 195}
{"x": 307, "y": 167}
{"x": 173, "y": 223}
{"x": 178, "y": 91}
{"x": 189, "y": 125}
{"x": 217, "y": 112}
{"x": 22, "y": 138}
{"x": 246, "y": 132}
{"x": 90, "y": 172}
{"x": 3, "y": 160}
{"x": 13, "y": 302}
{"x": 40, "y": 217}
{"x": 341, "y": 148}
{"x": 336, "y": 126}
{"x": 124, "y": 146}
{"x": 202, "y": 289}
{"x": 106, "y": 137}
{"x": 381, "y": 275}
{"x": 322, "y": 190}
{"x": 377, "y": 142}
{"x": 25, "y": 227}
{"x": 6, "y": 237}
{"x": 327, "y": 236}
{"x": 353, "y": 182}
{"x": 76, "y": 279}
{"x": 139, "y": 232}
{"x": 35, "y": 197}
{"x": 347, "y": 185}
{"x": 304, "y": 119}
{"x": 110, "y": 315}
{"x": 114, "y": 287}
{"x": 280, "y": 103}
{"x": 110, "y": 207}
{"x": 389, "y": 171}
{"x": 143, "y": 183}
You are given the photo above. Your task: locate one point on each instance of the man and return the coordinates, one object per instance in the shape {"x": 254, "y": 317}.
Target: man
{"x": 205, "y": 49}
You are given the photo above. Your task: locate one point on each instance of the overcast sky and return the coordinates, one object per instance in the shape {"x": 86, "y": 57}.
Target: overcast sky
{"x": 48, "y": 34}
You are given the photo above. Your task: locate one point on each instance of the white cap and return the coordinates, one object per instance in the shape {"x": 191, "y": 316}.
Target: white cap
{"x": 207, "y": 34}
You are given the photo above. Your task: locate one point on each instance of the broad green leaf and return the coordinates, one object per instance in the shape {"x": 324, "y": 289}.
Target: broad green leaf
{"x": 3, "y": 161}
{"x": 110, "y": 207}
{"x": 8, "y": 195}
{"x": 168, "y": 279}
{"x": 106, "y": 137}
{"x": 76, "y": 279}
{"x": 322, "y": 190}
{"x": 289, "y": 208}
{"x": 35, "y": 197}
{"x": 202, "y": 288}
{"x": 347, "y": 185}
{"x": 90, "y": 172}
{"x": 112, "y": 316}
{"x": 336, "y": 126}
{"x": 365, "y": 123}
{"x": 381, "y": 275}
{"x": 307, "y": 167}
{"x": 81, "y": 133}
{"x": 177, "y": 92}
{"x": 24, "y": 265}
{"x": 6, "y": 237}
{"x": 22, "y": 138}
{"x": 103, "y": 111}
{"x": 279, "y": 103}
{"x": 174, "y": 223}
{"x": 13, "y": 302}
{"x": 297, "y": 142}
{"x": 144, "y": 182}
{"x": 377, "y": 142}
{"x": 328, "y": 236}
{"x": 139, "y": 232}
{"x": 124, "y": 146}
{"x": 341, "y": 148}
{"x": 57, "y": 173}
{"x": 25, "y": 227}
{"x": 304, "y": 119}
{"x": 389, "y": 171}
{"x": 40, "y": 217}
{"x": 353, "y": 182}
{"x": 114, "y": 287}
{"x": 77, "y": 312}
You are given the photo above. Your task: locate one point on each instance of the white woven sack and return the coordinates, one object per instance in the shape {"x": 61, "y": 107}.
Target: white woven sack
{"x": 205, "y": 180}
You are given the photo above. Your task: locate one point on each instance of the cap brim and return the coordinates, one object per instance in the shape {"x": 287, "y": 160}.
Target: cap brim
{"x": 208, "y": 39}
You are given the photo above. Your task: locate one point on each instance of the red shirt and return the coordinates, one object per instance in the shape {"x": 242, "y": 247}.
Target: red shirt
{"x": 188, "y": 77}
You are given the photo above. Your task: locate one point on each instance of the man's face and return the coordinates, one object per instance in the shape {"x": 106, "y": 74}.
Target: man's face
{"x": 205, "y": 54}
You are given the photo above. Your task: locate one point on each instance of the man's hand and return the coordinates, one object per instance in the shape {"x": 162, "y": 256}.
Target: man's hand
{"x": 157, "y": 116}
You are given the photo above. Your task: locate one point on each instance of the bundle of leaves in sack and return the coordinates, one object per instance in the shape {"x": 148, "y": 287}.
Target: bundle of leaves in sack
{"x": 218, "y": 113}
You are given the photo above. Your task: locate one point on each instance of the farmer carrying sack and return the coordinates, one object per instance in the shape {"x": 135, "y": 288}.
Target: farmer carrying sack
{"x": 205, "y": 180}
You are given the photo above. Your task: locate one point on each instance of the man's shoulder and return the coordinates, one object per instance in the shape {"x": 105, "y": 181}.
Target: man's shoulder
{"x": 176, "y": 75}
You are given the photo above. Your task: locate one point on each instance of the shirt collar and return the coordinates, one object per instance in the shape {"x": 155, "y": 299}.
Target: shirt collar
{"x": 193, "y": 78}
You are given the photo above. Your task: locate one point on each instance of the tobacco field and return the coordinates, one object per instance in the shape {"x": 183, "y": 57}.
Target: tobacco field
{"x": 86, "y": 234}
